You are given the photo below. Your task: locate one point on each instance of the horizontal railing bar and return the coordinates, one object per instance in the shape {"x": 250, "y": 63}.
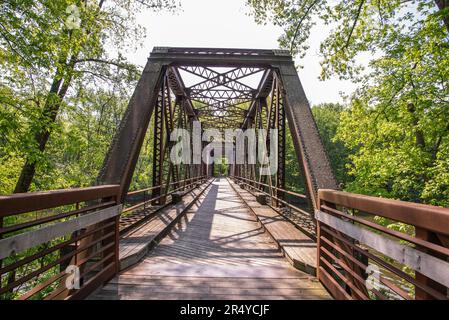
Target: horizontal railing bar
{"x": 342, "y": 264}
{"x": 61, "y": 289}
{"x": 42, "y": 286}
{"x": 160, "y": 186}
{"x": 280, "y": 200}
{"x": 341, "y": 251}
{"x": 54, "y": 294}
{"x": 420, "y": 215}
{"x": 328, "y": 279}
{"x": 299, "y": 195}
{"x": 389, "y": 284}
{"x": 305, "y": 231}
{"x": 106, "y": 273}
{"x": 131, "y": 193}
{"x": 30, "y": 239}
{"x": 386, "y": 265}
{"x": 140, "y": 204}
{"x": 351, "y": 272}
{"x": 47, "y": 251}
{"x": 34, "y": 201}
{"x": 50, "y": 281}
{"x": 344, "y": 279}
{"x": 402, "y": 293}
{"x": 422, "y": 262}
{"x": 35, "y": 273}
{"x": 397, "y": 234}
{"x": 154, "y": 210}
{"x": 40, "y": 221}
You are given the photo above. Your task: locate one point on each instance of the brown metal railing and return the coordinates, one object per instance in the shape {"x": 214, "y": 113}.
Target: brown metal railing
{"x": 183, "y": 185}
{"x": 258, "y": 187}
{"x": 42, "y": 233}
{"x": 359, "y": 258}
{"x": 137, "y": 212}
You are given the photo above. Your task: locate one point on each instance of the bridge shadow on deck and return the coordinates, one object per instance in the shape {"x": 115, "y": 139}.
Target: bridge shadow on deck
{"x": 219, "y": 230}
{"x": 217, "y": 250}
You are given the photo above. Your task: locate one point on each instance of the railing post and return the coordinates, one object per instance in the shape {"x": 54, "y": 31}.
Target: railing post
{"x": 117, "y": 244}
{"x": 420, "y": 294}
{"x": 115, "y": 228}
{"x": 356, "y": 270}
{"x": 318, "y": 242}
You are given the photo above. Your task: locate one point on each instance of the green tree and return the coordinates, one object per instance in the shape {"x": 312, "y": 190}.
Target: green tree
{"x": 45, "y": 47}
{"x": 399, "y": 119}
{"x": 221, "y": 167}
{"x": 357, "y": 26}
{"x": 293, "y": 175}
{"x": 327, "y": 117}
{"x": 397, "y": 122}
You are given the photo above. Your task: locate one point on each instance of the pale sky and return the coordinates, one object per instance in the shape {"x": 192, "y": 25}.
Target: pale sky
{"x": 221, "y": 24}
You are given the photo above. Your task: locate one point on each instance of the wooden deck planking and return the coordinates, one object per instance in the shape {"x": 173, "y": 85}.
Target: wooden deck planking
{"x": 137, "y": 242}
{"x": 217, "y": 250}
{"x": 298, "y": 248}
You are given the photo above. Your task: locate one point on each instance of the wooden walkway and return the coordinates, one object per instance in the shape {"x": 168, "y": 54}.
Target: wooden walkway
{"x": 218, "y": 250}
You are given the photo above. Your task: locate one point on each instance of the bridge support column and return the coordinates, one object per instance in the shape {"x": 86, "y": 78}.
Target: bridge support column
{"x": 306, "y": 139}
{"x": 122, "y": 156}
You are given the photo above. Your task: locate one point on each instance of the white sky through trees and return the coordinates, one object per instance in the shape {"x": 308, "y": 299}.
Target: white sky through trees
{"x": 221, "y": 24}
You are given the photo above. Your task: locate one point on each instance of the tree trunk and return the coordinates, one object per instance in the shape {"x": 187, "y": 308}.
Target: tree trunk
{"x": 419, "y": 134}
{"x": 55, "y": 97}
{"x": 58, "y": 90}
{"x": 444, "y": 4}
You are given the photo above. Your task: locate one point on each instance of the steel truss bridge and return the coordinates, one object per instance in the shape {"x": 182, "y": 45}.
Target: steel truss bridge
{"x": 191, "y": 235}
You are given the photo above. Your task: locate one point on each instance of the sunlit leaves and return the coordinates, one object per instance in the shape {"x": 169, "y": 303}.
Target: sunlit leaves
{"x": 399, "y": 120}
{"x": 38, "y": 50}
{"x": 397, "y": 123}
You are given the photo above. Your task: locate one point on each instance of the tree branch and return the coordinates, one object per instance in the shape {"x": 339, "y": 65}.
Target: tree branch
{"x": 444, "y": 5}
{"x": 126, "y": 66}
{"x": 298, "y": 26}
{"x": 359, "y": 10}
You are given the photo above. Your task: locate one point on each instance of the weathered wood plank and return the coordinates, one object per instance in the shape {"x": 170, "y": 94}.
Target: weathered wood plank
{"x": 136, "y": 243}
{"x": 299, "y": 249}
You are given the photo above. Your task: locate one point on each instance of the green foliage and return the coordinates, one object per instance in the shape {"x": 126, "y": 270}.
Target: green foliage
{"x": 78, "y": 73}
{"x": 293, "y": 174}
{"x": 399, "y": 119}
{"x": 81, "y": 76}
{"x": 327, "y": 117}
{"x": 358, "y": 26}
{"x": 396, "y": 125}
{"x": 221, "y": 167}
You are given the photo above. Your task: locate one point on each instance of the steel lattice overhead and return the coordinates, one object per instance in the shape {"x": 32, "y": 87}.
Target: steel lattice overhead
{"x": 221, "y": 95}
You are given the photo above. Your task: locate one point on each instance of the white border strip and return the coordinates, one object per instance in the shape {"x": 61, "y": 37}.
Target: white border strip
{"x": 424, "y": 263}
{"x": 27, "y": 240}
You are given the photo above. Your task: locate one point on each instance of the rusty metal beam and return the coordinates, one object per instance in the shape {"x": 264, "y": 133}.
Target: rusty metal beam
{"x": 306, "y": 139}
{"x": 263, "y": 91}
{"x": 120, "y": 161}
{"x": 220, "y": 57}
